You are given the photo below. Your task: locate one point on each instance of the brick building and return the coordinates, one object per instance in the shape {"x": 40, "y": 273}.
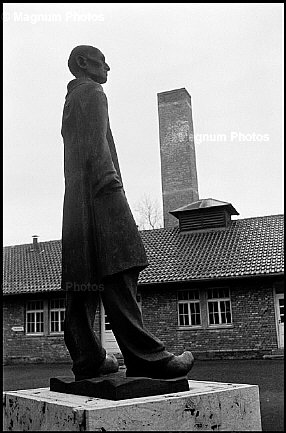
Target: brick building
{"x": 214, "y": 284}
{"x": 218, "y": 291}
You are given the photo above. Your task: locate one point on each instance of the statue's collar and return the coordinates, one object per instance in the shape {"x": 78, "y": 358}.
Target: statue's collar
{"x": 79, "y": 81}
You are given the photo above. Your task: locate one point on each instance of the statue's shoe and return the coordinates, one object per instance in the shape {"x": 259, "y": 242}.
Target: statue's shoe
{"x": 109, "y": 365}
{"x": 177, "y": 366}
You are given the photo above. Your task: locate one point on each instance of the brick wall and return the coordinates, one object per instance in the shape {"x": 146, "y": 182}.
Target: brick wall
{"x": 252, "y": 334}
{"x": 19, "y": 347}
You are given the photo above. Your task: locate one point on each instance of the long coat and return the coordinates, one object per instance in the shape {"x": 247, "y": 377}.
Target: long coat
{"x": 99, "y": 234}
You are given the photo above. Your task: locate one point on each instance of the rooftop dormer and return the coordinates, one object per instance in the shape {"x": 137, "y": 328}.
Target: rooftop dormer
{"x": 204, "y": 214}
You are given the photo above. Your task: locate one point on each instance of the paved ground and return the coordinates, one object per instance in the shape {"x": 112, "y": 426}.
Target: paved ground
{"x": 268, "y": 374}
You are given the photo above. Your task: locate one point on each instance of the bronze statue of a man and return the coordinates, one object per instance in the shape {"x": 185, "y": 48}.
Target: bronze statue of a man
{"x": 102, "y": 251}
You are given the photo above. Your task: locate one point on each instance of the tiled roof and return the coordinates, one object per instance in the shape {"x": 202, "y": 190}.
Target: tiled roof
{"x": 248, "y": 247}
{"x": 30, "y": 270}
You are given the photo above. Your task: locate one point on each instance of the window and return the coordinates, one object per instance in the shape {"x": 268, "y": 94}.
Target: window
{"x": 35, "y": 317}
{"x": 204, "y": 308}
{"x": 57, "y": 315}
{"x": 107, "y": 323}
{"x": 281, "y": 310}
{"x": 219, "y": 308}
{"x": 189, "y": 308}
{"x": 44, "y": 317}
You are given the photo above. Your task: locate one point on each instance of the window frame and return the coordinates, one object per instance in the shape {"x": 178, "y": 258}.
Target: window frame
{"x": 35, "y": 311}
{"x": 59, "y": 310}
{"x": 46, "y": 315}
{"x": 218, "y": 300}
{"x": 188, "y": 302}
{"x": 204, "y": 309}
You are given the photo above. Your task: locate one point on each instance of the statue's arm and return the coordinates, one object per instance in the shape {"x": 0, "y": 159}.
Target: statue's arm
{"x": 94, "y": 124}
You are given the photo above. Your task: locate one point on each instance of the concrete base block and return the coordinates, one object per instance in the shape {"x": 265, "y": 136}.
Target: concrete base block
{"x": 207, "y": 406}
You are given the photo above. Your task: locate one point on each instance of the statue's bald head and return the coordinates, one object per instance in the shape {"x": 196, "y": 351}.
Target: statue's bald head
{"x": 88, "y": 61}
{"x": 80, "y": 51}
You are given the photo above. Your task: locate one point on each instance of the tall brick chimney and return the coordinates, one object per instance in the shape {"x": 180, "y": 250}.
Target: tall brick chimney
{"x": 177, "y": 149}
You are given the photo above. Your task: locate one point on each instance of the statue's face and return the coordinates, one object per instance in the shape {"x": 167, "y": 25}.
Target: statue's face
{"x": 95, "y": 66}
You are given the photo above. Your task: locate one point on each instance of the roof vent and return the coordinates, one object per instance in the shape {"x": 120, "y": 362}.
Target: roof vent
{"x": 204, "y": 214}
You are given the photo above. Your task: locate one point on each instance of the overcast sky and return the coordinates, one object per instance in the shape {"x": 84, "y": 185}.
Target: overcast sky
{"x": 228, "y": 57}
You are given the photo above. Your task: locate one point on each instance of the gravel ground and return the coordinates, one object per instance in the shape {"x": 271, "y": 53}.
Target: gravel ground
{"x": 268, "y": 374}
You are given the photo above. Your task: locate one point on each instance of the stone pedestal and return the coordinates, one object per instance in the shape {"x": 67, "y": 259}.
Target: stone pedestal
{"x": 207, "y": 406}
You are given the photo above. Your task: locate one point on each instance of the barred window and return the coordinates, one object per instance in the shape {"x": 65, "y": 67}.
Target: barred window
{"x": 35, "y": 317}
{"x": 57, "y": 315}
{"x": 219, "y": 306}
{"x": 189, "y": 313}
